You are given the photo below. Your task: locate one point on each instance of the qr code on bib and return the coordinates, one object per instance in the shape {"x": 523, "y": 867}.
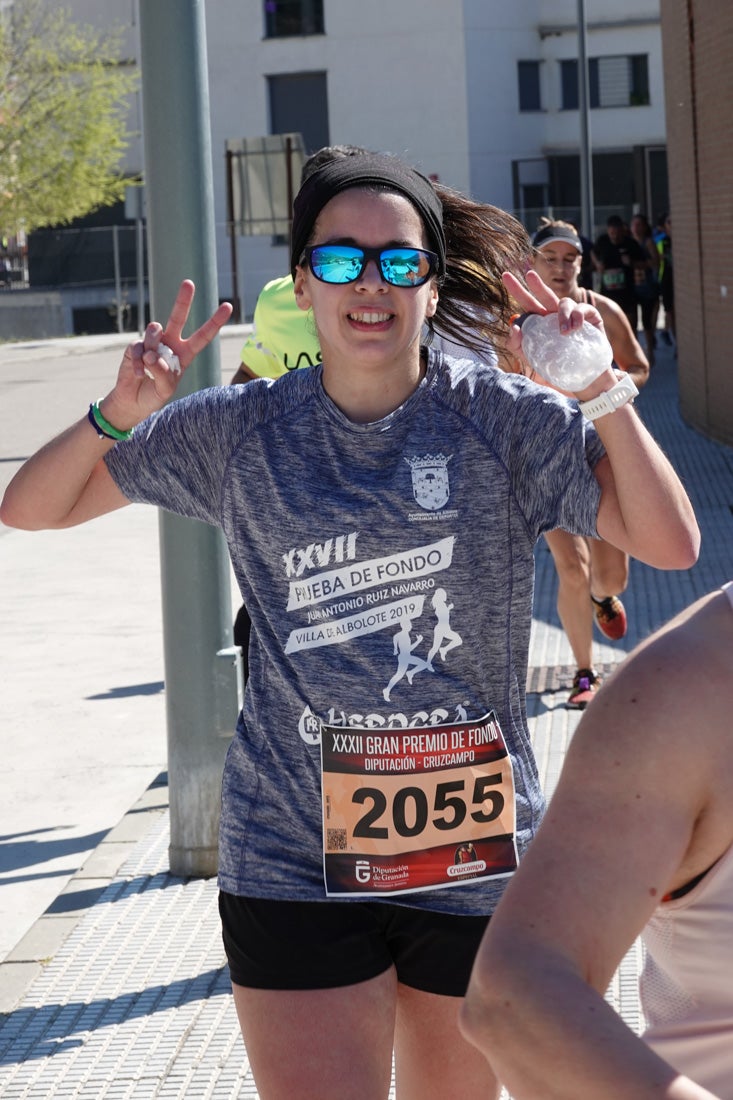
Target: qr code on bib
{"x": 336, "y": 840}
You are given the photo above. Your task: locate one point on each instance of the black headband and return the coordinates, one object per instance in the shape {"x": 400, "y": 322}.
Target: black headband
{"x": 550, "y": 233}
{"x": 361, "y": 171}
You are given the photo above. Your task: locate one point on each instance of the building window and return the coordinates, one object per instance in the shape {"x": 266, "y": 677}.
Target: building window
{"x": 621, "y": 81}
{"x": 639, "y": 72}
{"x": 528, "y": 74}
{"x": 299, "y": 105}
{"x": 286, "y": 18}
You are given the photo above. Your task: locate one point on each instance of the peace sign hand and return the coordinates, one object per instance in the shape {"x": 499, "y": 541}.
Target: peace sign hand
{"x": 149, "y": 375}
{"x": 536, "y": 297}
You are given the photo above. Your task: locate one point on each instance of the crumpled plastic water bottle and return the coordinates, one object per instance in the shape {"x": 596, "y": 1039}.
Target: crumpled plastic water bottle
{"x": 569, "y": 361}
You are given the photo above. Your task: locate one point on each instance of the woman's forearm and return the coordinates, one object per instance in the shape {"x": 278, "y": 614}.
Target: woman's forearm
{"x": 66, "y": 482}
{"x": 548, "y": 1035}
{"x": 57, "y": 486}
{"x": 646, "y": 511}
{"x": 657, "y": 515}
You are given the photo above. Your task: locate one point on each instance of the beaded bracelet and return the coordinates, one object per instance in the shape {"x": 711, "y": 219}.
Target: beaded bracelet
{"x": 103, "y": 428}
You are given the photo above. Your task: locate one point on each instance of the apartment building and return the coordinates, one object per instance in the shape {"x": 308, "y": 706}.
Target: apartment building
{"x": 479, "y": 93}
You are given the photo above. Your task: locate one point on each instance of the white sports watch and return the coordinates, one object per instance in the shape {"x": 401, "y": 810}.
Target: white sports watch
{"x": 607, "y": 402}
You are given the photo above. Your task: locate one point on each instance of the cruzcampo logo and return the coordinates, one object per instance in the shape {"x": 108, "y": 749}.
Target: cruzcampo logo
{"x": 430, "y": 486}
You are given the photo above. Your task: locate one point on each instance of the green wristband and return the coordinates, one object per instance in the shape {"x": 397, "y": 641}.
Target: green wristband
{"x": 103, "y": 428}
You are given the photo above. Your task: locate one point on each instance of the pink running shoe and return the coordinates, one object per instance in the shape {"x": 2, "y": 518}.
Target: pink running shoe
{"x": 610, "y": 616}
{"x": 585, "y": 685}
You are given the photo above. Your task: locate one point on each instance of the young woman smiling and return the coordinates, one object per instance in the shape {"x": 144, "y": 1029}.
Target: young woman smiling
{"x": 350, "y": 494}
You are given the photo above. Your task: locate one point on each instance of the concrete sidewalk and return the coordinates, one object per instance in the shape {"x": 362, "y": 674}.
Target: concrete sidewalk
{"x": 83, "y": 729}
{"x": 120, "y": 988}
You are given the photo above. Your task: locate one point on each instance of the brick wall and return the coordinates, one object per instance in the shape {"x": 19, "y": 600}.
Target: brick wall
{"x": 697, "y": 41}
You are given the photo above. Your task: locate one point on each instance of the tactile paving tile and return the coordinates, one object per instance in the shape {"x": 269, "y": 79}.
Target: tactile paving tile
{"x": 137, "y": 1002}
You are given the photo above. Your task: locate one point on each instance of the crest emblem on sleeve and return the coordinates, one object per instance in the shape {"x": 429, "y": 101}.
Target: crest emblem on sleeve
{"x": 430, "y": 486}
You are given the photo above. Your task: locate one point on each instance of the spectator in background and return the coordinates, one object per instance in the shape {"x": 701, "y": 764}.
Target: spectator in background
{"x": 663, "y": 241}
{"x": 591, "y": 573}
{"x": 616, "y": 256}
{"x": 647, "y": 282}
{"x": 585, "y": 276}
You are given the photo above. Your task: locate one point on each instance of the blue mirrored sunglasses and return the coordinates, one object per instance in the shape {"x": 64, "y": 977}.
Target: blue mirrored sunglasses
{"x": 341, "y": 263}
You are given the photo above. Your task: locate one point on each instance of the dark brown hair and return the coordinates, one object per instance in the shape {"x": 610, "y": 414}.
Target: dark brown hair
{"x": 482, "y": 241}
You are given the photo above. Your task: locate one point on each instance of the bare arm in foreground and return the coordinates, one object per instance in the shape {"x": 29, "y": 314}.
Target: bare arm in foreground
{"x": 636, "y": 814}
{"x": 66, "y": 482}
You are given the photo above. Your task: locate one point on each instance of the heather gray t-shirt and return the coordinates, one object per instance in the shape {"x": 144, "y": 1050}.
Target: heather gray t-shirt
{"x": 330, "y": 525}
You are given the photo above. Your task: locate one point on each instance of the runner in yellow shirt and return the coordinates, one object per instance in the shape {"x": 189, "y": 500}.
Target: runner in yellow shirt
{"x": 283, "y": 337}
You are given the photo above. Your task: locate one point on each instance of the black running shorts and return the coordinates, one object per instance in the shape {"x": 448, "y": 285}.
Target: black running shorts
{"x": 325, "y": 944}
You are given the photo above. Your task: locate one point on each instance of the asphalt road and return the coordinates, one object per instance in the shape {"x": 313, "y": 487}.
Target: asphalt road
{"x": 82, "y": 706}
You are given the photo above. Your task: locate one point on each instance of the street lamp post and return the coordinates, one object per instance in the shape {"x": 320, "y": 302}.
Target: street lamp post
{"x": 586, "y": 156}
{"x": 201, "y": 692}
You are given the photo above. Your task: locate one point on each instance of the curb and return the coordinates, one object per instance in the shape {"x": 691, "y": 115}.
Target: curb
{"x": 43, "y": 939}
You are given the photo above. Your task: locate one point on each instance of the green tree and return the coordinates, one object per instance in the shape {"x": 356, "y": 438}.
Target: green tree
{"x": 63, "y": 102}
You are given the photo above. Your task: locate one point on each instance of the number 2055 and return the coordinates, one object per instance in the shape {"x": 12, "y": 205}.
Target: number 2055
{"x": 410, "y": 812}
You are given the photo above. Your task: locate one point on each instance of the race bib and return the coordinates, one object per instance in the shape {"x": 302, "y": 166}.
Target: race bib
{"x": 416, "y": 809}
{"x": 614, "y": 278}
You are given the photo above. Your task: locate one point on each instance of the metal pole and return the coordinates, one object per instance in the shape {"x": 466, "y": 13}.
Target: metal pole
{"x": 290, "y": 184}
{"x": 237, "y": 315}
{"x": 201, "y": 693}
{"x": 118, "y": 281}
{"x": 140, "y": 266}
{"x": 586, "y": 155}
